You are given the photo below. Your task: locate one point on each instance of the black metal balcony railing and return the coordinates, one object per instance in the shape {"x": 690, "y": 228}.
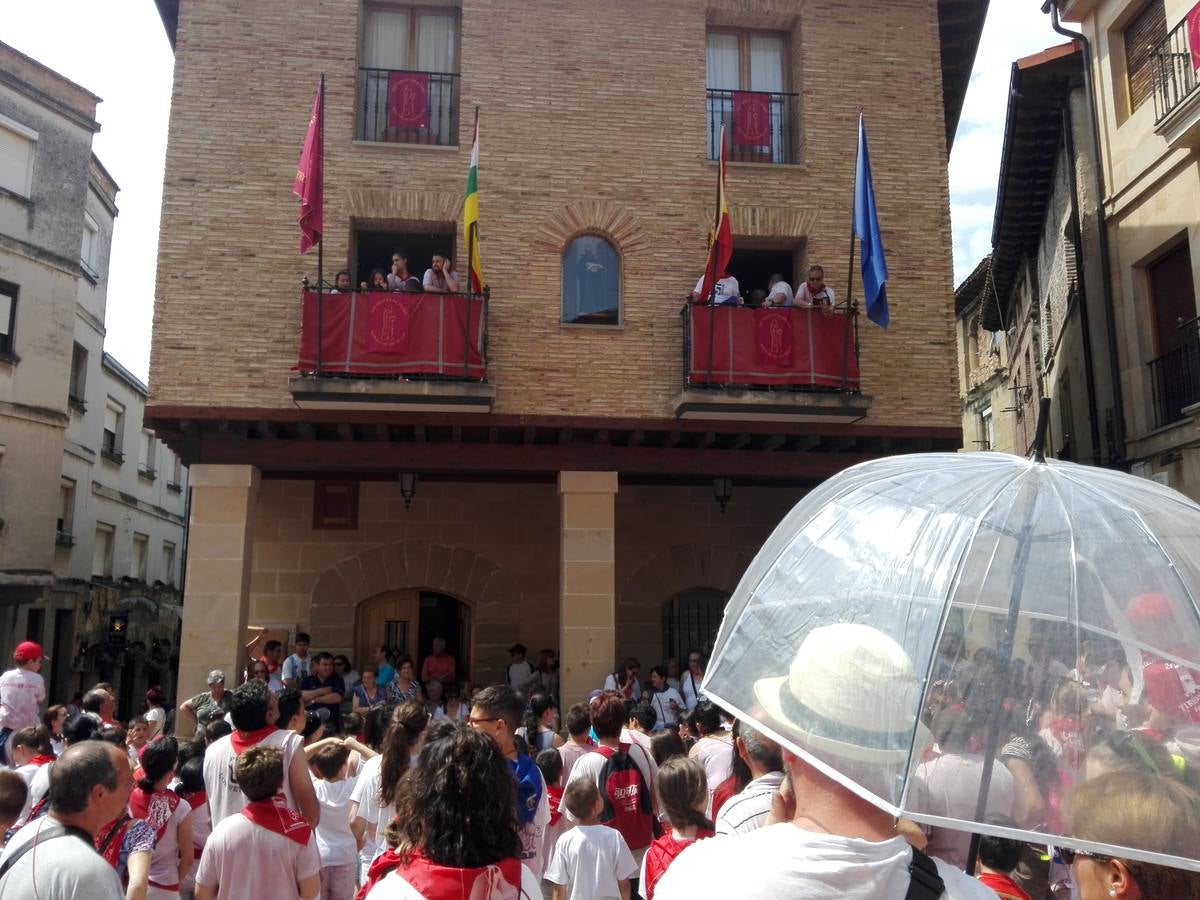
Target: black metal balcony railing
{"x": 760, "y": 126}
{"x": 1175, "y": 377}
{"x": 1174, "y": 74}
{"x": 407, "y": 107}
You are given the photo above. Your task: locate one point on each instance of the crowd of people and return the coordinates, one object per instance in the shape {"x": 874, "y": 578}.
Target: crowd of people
{"x": 439, "y": 278}
{"x": 812, "y": 293}
{"x": 310, "y": 778}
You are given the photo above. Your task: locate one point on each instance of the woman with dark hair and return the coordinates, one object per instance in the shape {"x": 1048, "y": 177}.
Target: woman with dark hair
{"x": 375, "y": 725}
{"x": 713, "y": 749}
{"x": 538, "y": 725}
{"x": 739, "y": 775}
{"x": 405, "y": 685}
{"x": 689, "y": 684}
{"x": 378, "y": 281}
{"x": 367, "y": 693}
{"x": 168, "y": 814}
{"x": 454, "y": 835}
{"x": 454, "y": 707}
{"x": 191, "y": 789}
{"x": 54, "y": 719}
{"x": 666, "y": 745}
{"x": 625, "y": 680}
{"x": 156, "y": 712}
{"x": 372, "y": 805}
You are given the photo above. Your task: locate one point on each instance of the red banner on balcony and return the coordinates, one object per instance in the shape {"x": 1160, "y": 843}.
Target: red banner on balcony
{"x": 380, "y": 333}
{"x": 1193, "y": 32}
{"x": 790, "y": 346}
{"x": 408, "y": 100}
{"x": 751, "y": 119}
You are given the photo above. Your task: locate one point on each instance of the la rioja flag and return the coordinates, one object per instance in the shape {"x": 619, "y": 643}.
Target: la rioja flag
{"x": 309, "y": 176}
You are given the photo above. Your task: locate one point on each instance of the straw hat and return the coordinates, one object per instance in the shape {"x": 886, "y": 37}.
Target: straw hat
{"x": 851, "y": 692}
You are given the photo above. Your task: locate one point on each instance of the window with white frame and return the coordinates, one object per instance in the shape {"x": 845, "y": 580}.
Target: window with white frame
{"x": 114, "y": 427}
{"x": 176, "y": 480}
{"x": 146, "y": 453}
{"x": 8, "y": 317}
{"x": 987, "y": 429}
{"x": 17, "y": 146}
{"x": 88, "y": 249}
{"x": 66, "y": 508}
{"x": 102, "y": 551}
{"x": 168, "y": 562}
{"x": 137, "y": 562}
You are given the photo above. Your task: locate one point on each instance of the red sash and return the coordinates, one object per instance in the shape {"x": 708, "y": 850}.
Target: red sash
{"x": 501, "y": 881}
{"x": 275, "y": 815}
{"x": 1005, "y": 887}
{"x": 555, "y": 793}
{"x": 110, "y": 838}
{"x": 41, "y": 759}
{"x": 243, "y": 741}
{"x": 155, "y": 808}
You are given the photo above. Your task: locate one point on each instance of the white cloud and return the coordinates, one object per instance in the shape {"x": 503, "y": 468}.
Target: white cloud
{"x": 118, "y": 51}
{"x": 1014, "y": 29}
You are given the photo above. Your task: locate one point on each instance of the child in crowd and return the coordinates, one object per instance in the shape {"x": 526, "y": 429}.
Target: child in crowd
{"x": 191, "y": 789}
{"x": 267, "y": 850}
{"x": 330, "y": 764}
{"x": 997, "y": 859}
{"x": 215, "y": 730}
{"x": 683, "y": 795}
{"x": 22, "y": 693}
{"x": 591, "y": 861}
{"x": 137, "y": 735}
{"x": 14, "y": 798}
{"x": 29, "y": 752}
{"x": 549, "y": 763}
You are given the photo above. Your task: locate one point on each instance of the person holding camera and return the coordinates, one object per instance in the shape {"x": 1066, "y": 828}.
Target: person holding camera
{"x": 664, "y": 700}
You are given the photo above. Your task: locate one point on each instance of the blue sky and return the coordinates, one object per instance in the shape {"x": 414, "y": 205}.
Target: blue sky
{"x": 126, "y": 60}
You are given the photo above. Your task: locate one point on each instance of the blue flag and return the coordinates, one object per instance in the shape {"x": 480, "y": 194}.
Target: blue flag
{"x": 866, "y": 229}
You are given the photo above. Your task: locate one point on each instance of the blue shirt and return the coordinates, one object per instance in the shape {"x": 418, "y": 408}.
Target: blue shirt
{"x": 386, "y": 673}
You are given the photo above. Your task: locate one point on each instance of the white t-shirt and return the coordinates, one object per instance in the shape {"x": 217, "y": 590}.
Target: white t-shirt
{"x": 61, "y": 868}
{"x": 590, "y": 765}
{"x": 689, "y": 687}
{"x": 225, "y": 798}
{"x": 660, "y": 702}
{"x": 201, "y": 829}
{"x": 21, "y": 694}
{"x": 366, "y": 794}
{"x": 27, "y": 772}
{"x": 749, "y": 810}
{"x": 785, "y": 861}
{"x": 394, "y": 887}
{"x": 518, "y": 674}
{"x": 727, "y": 290}
{"x": 591, "y": 860}
{"x": 164, "y": 862}
{"x": 335, "y": 840}
{"x": 781, "y": 294}
{"x": 436, "y": 281}
{"x": 948, "y": 786}
{"x": 39, "y": 786}
{"x": 716, "y": 757}
{"x": 805, "y": 296}
{"x": 295, "y": 667}
{"x": 242, "y": 859}
{"x": 157, "y": 717}
{"x": 635, "y": 692}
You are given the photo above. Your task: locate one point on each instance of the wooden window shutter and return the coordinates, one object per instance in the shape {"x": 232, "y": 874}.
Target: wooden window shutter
{"x": 1142, "y": 38}
{"x": 335, "y": 505}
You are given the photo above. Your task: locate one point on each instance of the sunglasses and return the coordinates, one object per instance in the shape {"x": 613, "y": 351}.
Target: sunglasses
{"x": 1067, "y": 856}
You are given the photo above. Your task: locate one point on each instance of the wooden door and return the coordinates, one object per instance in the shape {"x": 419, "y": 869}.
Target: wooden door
{"x": 1173, "y": 298}
{"x": 390, "y": 620}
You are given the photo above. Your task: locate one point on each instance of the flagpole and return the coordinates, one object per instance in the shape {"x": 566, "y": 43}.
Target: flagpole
{"x": 321, "y": 242}
{"x": 710, "y": 268}
{"x": 850, "y": 273}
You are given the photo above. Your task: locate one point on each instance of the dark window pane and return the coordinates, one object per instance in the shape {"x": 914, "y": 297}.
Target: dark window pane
{"x": 591, "y": 286}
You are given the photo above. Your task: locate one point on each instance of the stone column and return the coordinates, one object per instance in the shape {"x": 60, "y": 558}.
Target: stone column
{"x": 587, "y": 582}
{"x": 216, "y": 598}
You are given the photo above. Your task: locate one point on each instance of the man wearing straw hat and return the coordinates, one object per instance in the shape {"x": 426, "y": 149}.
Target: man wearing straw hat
{"x": 826, "y": 840}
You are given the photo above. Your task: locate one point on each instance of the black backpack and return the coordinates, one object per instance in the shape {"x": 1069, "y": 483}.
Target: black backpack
{"x": 925, "y": 883}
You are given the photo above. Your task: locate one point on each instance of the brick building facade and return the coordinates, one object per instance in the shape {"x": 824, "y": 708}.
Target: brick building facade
{"x": 567, "y": 499}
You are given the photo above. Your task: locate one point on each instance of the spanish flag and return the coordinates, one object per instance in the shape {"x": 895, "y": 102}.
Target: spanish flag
{"x": 471, "y": 215}
{"x": 720, "y": 239}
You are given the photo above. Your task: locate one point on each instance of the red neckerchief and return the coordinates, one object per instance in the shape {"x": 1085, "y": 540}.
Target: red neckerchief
{"x": 554, "y": 792}
{"x": 40, "y": 760}
{"x": 500, "y": 881}
{"x": 275, "y": 815}
{"x": 110, "y": 838}
{"x": 156, "y": 808}
{"x": 244, "y": 740}
{"x": 1005, "y": 887}
{"x": 195, "y": 799}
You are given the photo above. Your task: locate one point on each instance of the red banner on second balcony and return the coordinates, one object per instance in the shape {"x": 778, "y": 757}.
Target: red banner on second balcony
{"x": 789, "y": 346}
{"x": 381, "y": 333}
{"x": 408, "y": 100}
{"x": 751, "y": 119}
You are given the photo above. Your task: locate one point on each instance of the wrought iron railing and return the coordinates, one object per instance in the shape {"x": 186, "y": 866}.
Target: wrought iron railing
{"x": 407, "y": 107}
{"x": 760, "y": 126}
{"x": 1175, "y": 377}
{"x": 1174, "y": 72}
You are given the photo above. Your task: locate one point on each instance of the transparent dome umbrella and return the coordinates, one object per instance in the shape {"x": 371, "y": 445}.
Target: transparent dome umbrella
{"x": 1038, "y": 618}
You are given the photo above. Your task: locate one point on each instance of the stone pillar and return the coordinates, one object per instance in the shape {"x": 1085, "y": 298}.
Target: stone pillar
{"x": 216, "y": 598}
{"x": 587, "y": 582}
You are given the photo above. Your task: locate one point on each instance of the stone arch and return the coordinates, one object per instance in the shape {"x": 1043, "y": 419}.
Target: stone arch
{"x": 403, "y": 206}
{"x": 668, "y": 573}
{"x": 609, "y": 220}
{"x": 492, "y": 594}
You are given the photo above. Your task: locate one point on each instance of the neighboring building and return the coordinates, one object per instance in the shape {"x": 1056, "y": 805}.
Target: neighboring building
{"x": 94, "y": 515}
{"x": 552, "y": 476}
{"x": 1031, "y": 317}
{"x": 1148, "y": 105}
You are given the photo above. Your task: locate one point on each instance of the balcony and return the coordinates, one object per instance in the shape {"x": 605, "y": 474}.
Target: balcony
{"x": 1176, "y": 98}
{"x": 395, "y": 351}
{"x": 397, "y": 106}
{"x": 1175, "y": 377}
{"x": 146, "y": 472}
{"x": 791, "y": 364}
{"x": 762, "y": 127}
{"x": 64, "y": 539}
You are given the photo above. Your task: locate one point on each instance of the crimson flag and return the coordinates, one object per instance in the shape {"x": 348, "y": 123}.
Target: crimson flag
{"x": 720, "y": 240}
{"x": 309, "y": 182}
{"x": 751, "y": 119}
{"x": 1193, "y": 30}
{"x": 408, "y": 99}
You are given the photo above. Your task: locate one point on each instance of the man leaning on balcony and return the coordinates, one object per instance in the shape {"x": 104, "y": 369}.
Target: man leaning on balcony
{"x": 727, "y": 292}
{"x": 440, "y": 277}
{"x": 779, "y": 292}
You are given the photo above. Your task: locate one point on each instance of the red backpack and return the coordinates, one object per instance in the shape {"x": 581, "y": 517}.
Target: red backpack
{"x": 627, "y": 806}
